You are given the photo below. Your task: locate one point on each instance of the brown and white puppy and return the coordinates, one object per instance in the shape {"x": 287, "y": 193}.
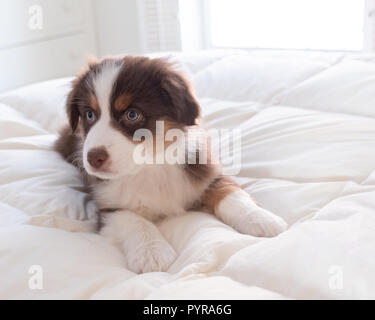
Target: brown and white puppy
{"x": 107, "y": 104}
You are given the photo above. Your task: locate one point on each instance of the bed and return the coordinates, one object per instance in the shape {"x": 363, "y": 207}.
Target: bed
{"x": 308, "y": 155}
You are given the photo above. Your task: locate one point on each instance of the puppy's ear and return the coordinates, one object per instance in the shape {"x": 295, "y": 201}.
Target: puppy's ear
{"x": 72, "y": 108}
{"x": 92, "y": 61}
{"x": 182, "y": 98}
{"x": 71, "y": 102}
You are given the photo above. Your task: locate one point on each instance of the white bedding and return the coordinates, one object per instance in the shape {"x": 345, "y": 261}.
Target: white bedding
{"x": 308, "y": 124}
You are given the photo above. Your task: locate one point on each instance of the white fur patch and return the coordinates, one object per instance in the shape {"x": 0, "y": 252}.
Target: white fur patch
{"x": 239, "y": 211}
{"x": 155, "y": 192}
{"x": 144, "y": 246}
{"x": 103, "y": 84}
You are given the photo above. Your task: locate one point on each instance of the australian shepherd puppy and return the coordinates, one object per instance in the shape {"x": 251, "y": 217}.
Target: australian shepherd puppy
{"x": 108, "y": 104}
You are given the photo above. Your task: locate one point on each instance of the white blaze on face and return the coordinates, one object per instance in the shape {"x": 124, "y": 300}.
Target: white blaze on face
{"x": 103, "y": 135}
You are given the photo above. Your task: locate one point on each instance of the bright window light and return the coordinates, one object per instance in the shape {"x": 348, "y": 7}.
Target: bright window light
{"x": 287, "y": 24}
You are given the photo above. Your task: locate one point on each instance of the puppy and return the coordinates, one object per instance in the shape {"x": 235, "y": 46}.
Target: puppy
{"x": 108, "y": 105}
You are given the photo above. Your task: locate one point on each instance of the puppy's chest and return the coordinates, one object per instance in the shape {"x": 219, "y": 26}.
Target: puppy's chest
{"x": 153, "y": 196}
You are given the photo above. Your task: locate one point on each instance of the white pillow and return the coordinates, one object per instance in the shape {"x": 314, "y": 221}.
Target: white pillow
{"x": 43, "y": 102}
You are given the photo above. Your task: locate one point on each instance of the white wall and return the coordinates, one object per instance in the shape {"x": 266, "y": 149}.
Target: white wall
{"x": 117, "y": 27}
{"x": 43, "y": 39}
{"x": 72, "y": 30}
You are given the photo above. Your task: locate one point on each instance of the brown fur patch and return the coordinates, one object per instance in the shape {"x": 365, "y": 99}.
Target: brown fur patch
{"x": 216, "y": 192}
{"x": 67, "y": 144}
{"x": 155, "y": 90}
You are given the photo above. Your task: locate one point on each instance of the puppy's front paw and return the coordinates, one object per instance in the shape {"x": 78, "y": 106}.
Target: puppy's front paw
{"x": 144, "y": 246}
{"x": 157, "y": 255}
{"x": 240, "y": 212}
{"x": 259, "y": 222}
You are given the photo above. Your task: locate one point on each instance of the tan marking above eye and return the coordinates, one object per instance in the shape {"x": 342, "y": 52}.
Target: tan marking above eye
{"x": 93, "y": 102}
{"x": 123, "y": 102}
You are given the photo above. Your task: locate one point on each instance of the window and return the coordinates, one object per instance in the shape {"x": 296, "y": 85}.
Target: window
{"x": 286, "y": 24}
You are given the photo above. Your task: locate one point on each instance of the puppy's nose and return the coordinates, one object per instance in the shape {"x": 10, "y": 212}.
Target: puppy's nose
{"x": 96, "y": 157}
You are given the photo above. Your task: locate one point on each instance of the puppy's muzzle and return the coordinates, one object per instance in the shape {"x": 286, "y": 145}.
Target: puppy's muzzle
{"x": 97, "y": 157}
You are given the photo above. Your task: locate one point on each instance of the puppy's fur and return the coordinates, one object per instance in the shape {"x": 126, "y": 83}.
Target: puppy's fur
{"x": 107, "y": 104}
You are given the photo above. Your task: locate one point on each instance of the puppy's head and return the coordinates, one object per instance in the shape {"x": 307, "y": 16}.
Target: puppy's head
{"x": 114, "y": 98}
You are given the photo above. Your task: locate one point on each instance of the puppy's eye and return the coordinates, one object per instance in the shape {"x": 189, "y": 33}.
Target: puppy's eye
{"x": 90, "y": 116}
{"x": 132, "y": 115}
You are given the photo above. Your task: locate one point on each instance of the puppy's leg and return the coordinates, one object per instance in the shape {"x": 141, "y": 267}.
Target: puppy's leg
{"x": 144, "y": 246}
{"x": 237, "y": 209}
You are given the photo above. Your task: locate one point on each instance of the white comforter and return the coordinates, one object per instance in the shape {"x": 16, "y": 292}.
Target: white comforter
{"x": 308, "y": 124}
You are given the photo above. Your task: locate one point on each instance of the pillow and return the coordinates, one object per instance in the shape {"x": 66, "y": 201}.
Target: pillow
{"x": 43, "y": 102}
